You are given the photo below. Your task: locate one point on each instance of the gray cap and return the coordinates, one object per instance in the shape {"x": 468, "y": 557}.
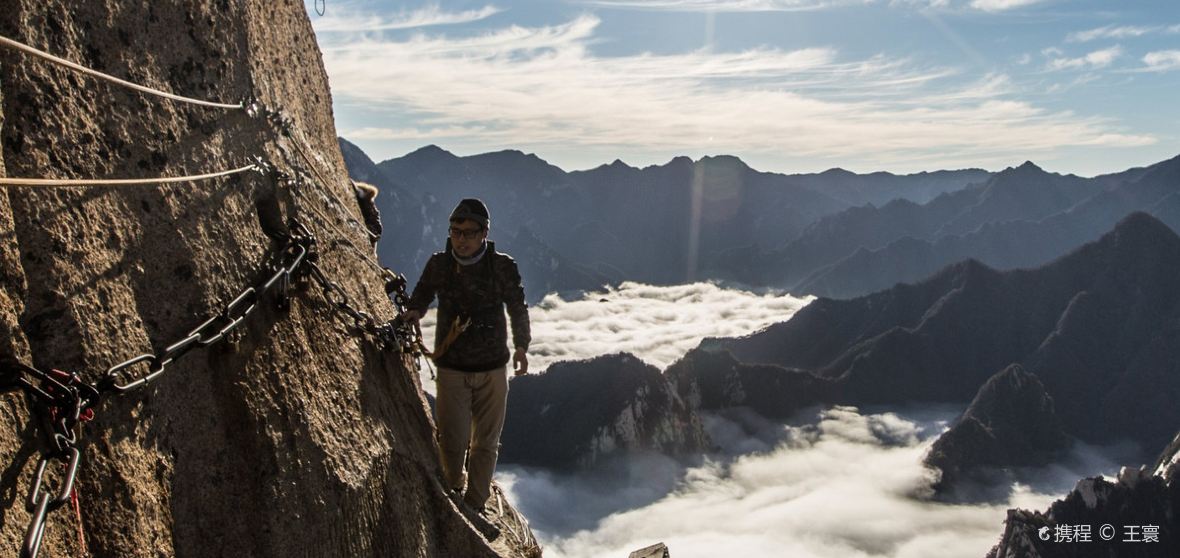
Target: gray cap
{"x": 474, "y": 209}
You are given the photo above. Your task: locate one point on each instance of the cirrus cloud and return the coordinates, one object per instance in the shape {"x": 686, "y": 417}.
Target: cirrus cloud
{"x": 541, "y": 86}
{"x": 347, "y": 20}
{"x": 1001, "y": 5}
{"x": 1109, "y": 32}
{"x": 1096, "y": 59}
{"x": 724, "y": 5}
{"x": 1162, "y": 60}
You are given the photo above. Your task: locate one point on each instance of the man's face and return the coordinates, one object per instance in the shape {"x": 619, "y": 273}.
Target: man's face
{"x": 466, "y": 237}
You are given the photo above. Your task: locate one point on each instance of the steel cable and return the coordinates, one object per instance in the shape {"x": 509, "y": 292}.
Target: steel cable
{"x": 5, "y": 41}
{"x": 72, "y": 182}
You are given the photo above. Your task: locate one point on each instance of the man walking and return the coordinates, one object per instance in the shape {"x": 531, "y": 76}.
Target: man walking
{"x": 473, "y": 283}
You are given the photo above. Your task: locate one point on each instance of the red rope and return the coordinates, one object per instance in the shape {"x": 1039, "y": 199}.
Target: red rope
{"x": 78, "y": 513}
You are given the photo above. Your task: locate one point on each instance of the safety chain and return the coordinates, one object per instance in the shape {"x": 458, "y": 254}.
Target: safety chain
{"x": 398, "y": 334}
{"x": 63, "y": 401}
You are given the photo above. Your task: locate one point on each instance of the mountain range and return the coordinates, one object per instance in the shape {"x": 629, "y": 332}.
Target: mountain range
{"x": 686, "y": 220}
{"x": 1082, "y": 348}
{"x": 835, "y": 233}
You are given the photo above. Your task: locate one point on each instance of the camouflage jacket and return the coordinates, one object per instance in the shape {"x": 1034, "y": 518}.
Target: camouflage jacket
{"x": 479, "y": 292}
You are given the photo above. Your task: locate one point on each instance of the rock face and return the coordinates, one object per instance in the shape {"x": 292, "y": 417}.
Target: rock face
{"x": 1098, "y": 327}
{"x": 1010, "y": 423}
{"x": 294, "y": 437}
{"x": 1145, "y": 499}
{"x": 580, "y": 413}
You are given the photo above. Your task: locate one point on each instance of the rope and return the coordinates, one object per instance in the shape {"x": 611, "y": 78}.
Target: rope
{"x": 5, "y": 41}
{"x": 320, "y": 10}
{"x": 67, "y": 182}
{"x": 78, "y": 515}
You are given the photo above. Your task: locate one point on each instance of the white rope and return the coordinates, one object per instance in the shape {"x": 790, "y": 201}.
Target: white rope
{"x": 5, "y": 41}
{"x": 53, "y": 182}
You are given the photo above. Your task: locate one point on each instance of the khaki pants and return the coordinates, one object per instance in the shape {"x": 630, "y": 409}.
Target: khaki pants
{"x": 470, "y": 407}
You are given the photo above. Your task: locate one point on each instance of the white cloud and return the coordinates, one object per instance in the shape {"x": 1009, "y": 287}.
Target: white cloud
{"x": 1109, "y": 32}
{"x": 348, "y": 20}
{"x": 841, "y": 487}
{"x": 1094, "y": 60}
{"x": 537, "y": 87}
{"x": 659, "y": 324}
{"x": 724, "y": 5}
{"x": 793, "y": 5}
{"x": 1001, "y": 5}
{"x": 1162, "y": 60}
{"x": 378, "y": 133}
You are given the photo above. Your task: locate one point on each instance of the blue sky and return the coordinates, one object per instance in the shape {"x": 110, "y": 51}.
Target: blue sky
{"x": 787, "y": 85}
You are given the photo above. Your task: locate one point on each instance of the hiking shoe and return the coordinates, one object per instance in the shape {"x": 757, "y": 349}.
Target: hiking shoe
{"x": 480, "y": 519}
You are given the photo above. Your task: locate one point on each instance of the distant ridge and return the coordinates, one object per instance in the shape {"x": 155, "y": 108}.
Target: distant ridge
{"x": 1099, "y": 327}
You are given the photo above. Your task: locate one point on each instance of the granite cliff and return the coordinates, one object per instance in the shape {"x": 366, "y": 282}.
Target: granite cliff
{"x": 298, "y": 435}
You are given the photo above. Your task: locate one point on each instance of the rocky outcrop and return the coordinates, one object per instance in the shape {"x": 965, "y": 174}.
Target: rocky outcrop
{"x": 582, "y": 413}
{"x": 1135, "y": 515}
{"x": 295, "y": 436}
{"x": 711, "y": 379}
{"x": 1010, "y": 423}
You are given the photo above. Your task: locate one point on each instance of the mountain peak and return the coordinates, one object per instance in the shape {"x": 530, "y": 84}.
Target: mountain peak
{"x": 431, "y": 154}
{"x": 432, "y": 150}
{"x": 723, "y": 160}
{"x": 1139, "y": 228}
{"x": 1028, "y": 168}
{"x": 679, "y": 161}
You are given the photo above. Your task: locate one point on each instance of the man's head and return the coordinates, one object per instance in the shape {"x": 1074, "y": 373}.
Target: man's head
{"x": 469, "y": 227}
{"x": 365, "y": 190}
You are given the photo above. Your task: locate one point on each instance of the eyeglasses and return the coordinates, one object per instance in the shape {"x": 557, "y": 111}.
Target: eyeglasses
{"x": 464, "y": 233}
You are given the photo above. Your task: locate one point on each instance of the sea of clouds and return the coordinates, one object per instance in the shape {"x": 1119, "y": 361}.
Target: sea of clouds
{"x": 656, "y": 324}
{"x": 835, "y": 482}
{"x": 847, "y": 484}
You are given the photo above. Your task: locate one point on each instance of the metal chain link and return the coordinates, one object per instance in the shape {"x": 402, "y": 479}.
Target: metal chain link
{"x": 396, "y": 333}
{"x": 63, "y": 401}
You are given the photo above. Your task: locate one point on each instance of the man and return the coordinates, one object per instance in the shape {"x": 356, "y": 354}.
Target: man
{"x": 473, "y": 283}
{"x": 366, "y": 198}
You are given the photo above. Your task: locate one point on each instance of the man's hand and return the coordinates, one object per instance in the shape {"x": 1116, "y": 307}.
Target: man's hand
{"x": 520, "y": 361}
{"x": 411, "y": 316}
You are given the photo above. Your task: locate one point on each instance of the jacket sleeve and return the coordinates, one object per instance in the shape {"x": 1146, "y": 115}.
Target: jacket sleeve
{"x": 518, "y": 309}
{"x": 427, "y": 287}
